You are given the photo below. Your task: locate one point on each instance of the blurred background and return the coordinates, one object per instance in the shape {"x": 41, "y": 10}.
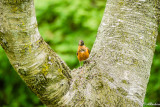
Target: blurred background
{"x": 62, "y": 23}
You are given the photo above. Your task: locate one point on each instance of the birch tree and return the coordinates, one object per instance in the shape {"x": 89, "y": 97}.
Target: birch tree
{"x": 117, "y": 72}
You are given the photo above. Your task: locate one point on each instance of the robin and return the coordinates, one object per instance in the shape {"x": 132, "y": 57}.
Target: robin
{"x": 83, "y": 52}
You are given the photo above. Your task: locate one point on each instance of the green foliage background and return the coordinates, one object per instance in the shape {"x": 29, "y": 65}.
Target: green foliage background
{"x": 62, "y": 23}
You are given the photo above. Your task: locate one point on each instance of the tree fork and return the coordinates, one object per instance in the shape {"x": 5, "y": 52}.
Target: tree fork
{"x": 117, "y": 71}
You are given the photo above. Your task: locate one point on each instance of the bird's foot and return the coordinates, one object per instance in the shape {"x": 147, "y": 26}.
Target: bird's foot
{"x": 86, "y": 62}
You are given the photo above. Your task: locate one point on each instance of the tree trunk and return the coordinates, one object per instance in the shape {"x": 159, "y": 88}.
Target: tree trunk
{"x": 117, "y": 72}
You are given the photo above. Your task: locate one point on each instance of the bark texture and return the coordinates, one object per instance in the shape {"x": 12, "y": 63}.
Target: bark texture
{"x": 117, "y": 71}
{"x": 41, "y": 69}
{"x": 126, "y": 41}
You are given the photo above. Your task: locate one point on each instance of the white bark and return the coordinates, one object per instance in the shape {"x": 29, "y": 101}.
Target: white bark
{"x": 117, "y": 71}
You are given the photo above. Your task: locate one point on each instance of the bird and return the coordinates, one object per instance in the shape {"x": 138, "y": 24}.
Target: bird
{"x": 83, "y": 52}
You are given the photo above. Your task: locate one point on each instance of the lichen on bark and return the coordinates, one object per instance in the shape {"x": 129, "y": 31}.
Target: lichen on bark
{"x": 14, "y": 1}
{"x": 36, "y": 63}
{"x": 117, "y": 72}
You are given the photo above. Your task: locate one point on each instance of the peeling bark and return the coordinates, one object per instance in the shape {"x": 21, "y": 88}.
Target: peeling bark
{"x": 117, "y": 71}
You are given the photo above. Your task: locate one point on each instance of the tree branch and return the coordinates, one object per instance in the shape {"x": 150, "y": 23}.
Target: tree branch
{"x": 41, "y": 69}
{"x": 119, "y": 65}
{"x": 125, "y": 45}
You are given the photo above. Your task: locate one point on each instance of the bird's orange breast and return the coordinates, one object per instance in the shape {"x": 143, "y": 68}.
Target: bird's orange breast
{"x": 83, "y": 53}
